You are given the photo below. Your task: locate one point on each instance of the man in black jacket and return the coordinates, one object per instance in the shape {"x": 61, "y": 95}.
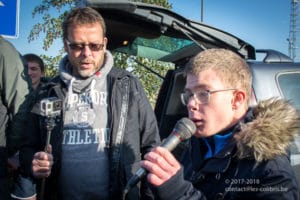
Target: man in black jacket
{"x": 14, "y": 87}
{"x": 238, "y": 152}
{"x": 104, "y": 128}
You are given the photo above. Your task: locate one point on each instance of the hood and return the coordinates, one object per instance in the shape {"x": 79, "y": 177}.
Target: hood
{"x": 274, "y": 127}
{"x": 79, "y": 84}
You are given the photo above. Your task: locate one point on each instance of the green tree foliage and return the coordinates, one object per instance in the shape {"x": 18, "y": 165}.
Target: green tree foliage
{"x": 140, "y": 68}
{"x": 50, "y": 30}
{"x": 51, "y": 64}
{"x": 51, "y": 25}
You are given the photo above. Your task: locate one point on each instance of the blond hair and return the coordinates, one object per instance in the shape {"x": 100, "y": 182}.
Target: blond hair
{"x": 231, "y": 68}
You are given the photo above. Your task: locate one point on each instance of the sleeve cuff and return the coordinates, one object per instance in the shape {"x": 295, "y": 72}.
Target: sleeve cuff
{"x": 176, "y": 183}
{"x": 24, "y": 188}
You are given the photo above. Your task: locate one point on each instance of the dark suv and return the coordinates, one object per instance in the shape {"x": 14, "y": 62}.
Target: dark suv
{"x": 158, "y": 33}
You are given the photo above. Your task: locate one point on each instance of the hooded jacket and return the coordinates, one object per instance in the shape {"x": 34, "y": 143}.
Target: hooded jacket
{"x": 253, "y": 164}
{"x": 133, "y": 132}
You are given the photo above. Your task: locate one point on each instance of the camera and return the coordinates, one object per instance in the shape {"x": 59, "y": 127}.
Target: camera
{"x": 51, "y": 106}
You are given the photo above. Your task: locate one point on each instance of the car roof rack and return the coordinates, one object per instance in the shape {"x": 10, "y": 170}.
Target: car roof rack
{"x": 273, "y": 56}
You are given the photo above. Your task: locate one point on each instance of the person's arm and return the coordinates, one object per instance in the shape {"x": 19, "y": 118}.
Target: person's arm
{"x": 149, "y": 133}
{"x": 25, "y": 185}
{"x": 166, "y": 176}
{"x": 147, "y": 121}
{"x": 15, "y": 86}
{"x": 278, "y": 181}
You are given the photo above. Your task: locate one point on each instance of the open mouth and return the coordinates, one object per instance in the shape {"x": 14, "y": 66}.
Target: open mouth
{"x": 198, "y": 122}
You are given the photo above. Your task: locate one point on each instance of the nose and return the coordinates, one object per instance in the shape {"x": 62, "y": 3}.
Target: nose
{"x": 86, "y": 51}
{"x": 30, "y": 72}
{"x": 192, "y": 103}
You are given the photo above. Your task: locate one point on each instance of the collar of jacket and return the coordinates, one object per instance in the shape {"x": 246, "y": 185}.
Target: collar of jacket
{"x": 269, "y": 132}
{"x": 265, "y": 132}
{"x": 220, "y": 162}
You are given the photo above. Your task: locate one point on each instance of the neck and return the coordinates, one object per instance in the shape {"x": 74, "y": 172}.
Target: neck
{"x": 34, "y": 86}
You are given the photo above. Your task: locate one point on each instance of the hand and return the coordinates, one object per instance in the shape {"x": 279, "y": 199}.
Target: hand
{"x": 161, "y": 165}
{"x": 42, "y": 163}
{"x": 13, "y": 162}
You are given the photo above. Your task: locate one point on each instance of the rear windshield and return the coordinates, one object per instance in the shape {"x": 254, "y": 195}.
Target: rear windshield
{"x": 155, "y": 48}
{"x": 289, "y": 84}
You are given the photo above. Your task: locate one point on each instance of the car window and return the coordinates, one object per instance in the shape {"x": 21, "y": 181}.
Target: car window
{"x": 289, "y": 84}
{"x": 155, "y": 48}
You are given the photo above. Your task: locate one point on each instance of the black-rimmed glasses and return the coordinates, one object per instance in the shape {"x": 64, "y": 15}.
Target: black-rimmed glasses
{"x": 202, "y": 96}
{"x": 80, "y": 46}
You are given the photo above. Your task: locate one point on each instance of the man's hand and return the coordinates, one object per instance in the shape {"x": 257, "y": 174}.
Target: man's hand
{"x": 161, "y": 165}
{"x": 42, "y": 163}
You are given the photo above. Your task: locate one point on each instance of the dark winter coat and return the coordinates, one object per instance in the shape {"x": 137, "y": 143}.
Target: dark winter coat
{"x": 253, "y": 165}
{"x": 133, "y": 133}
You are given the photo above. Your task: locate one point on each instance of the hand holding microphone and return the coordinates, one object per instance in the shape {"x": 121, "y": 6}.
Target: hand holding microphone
{"x": 161, "y": 166}
{"x": 160, "y": 163}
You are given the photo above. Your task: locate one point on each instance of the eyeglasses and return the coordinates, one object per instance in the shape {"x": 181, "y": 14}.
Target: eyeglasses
{"x": 202, "y": 96}
{"x": 81, "y": 46}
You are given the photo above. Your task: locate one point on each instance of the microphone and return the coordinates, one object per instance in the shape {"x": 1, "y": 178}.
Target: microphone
{"x": 184, "y": 129}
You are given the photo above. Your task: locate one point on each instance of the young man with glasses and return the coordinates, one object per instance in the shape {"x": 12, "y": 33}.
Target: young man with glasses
{"x": 104, "y": 128}
{"x": 238, "y": 151}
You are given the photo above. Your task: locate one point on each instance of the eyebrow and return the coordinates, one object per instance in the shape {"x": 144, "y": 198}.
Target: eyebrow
{"x": 75, "y": 42}
{"x": 198, "y": 87}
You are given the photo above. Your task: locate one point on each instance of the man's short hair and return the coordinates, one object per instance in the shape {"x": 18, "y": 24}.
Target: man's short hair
{"x": 30, "y": 57}
{"x": 82, "y": 15}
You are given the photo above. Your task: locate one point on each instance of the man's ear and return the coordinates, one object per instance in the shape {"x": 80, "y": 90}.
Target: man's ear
{"x": 105, "y": 40}
{"x": 239, "y": 99}
{"x": 66, "y": 46}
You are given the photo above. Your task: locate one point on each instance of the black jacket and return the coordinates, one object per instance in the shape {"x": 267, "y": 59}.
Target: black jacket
{"x": 253, "y": 165}
{"x": 133, "y": 133}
